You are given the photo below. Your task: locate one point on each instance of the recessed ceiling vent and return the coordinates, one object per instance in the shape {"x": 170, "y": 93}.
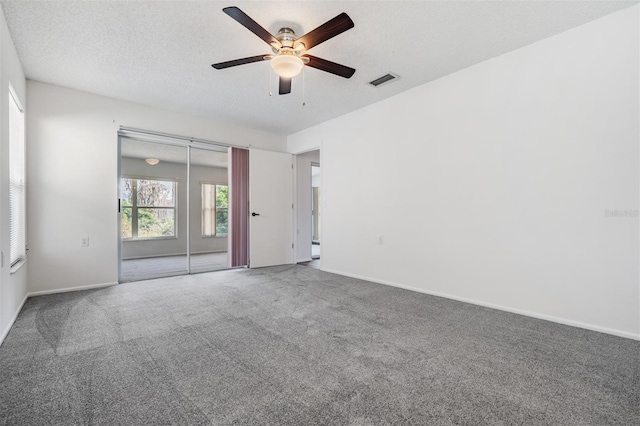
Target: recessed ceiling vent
{"x": 384, "y": 79}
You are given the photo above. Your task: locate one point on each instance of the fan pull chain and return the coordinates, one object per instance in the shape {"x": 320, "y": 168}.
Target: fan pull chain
{"x": 270, "y": 71}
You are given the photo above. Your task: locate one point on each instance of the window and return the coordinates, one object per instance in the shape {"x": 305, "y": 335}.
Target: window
{"x": 17, "y": 190}
{"x": 215, "y": 210}
{"x": 147, "y": 208}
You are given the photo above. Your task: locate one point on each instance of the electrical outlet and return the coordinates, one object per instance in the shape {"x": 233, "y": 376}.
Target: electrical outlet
{"x": 84, "y": 242}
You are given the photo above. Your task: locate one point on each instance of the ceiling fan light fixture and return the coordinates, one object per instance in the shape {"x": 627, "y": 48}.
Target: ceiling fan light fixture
{"x": 286, "y": 65}
{"x": 152, "y": 161}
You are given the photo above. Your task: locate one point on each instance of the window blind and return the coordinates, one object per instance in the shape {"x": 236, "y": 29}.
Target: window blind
{"x": 208, "y": 210}
{"x": 239, "y": 206}
{"x": 17, "y": 231}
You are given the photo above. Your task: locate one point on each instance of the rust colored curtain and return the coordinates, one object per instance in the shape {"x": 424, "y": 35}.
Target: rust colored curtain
{"x": 239, "y": 207}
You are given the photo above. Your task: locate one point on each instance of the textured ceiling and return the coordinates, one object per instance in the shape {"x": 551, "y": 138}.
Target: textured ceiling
{"x": 160, "y": 53}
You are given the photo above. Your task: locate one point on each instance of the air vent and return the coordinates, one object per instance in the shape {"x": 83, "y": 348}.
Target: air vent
{"x": 384, "y": 79}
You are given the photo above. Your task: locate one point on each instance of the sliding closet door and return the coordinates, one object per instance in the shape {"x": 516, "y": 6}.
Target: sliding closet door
{"x": 153, "y": 210}
{"x": 209, "y": 210}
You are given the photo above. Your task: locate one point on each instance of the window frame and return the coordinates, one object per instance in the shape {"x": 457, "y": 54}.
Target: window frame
{"x": 135, "y": 207}
{"x": 214, "y": 210}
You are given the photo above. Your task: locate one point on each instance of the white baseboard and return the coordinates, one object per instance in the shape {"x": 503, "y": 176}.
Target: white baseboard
{"x": 65, "y": 290}
{"x": 13, "y": 320}
{"x": 308, "y": 259}
{"x": 558, "y": 320}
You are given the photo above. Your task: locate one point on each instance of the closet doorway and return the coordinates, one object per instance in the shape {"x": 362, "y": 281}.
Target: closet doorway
{"x": 174, "y": 208}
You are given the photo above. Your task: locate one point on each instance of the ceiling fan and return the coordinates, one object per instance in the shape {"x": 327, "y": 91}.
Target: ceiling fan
{"x": 289, "y": 55}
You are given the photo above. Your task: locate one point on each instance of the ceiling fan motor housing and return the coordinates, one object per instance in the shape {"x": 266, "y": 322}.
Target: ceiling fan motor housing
{"x": 287, "y": 38}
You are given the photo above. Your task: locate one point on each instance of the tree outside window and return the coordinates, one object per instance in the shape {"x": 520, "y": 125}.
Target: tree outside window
{"x": 148, "y": 208}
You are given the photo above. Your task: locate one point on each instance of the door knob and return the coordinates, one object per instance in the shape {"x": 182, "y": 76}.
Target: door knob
{"x": 255, "y": 214}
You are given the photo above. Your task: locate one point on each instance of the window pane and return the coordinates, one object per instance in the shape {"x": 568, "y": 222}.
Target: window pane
{"x": 156, "y": 223}
{"x": 126, "y": 191}
{"x": 125, "y": 222}
{"x": 156, "y": 193}
{"x": 222, "y": 221}
{"x": 222, "y": 196}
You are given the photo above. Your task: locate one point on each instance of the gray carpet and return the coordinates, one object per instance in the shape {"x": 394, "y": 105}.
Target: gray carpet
{"x": 297, "y": 346}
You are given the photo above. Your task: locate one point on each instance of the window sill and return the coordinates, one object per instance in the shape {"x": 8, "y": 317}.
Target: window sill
{"x": 133, "y": 240}
{"x": 214, "y": 236}
{"x": 15, "y": 268}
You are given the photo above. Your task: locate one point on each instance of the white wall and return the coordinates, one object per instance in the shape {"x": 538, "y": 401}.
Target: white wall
{"x": 303, "y": 204}
{"x": 13, "y": 287}
{"x": 72, "y": 163}
{"x": 498, "y": 178}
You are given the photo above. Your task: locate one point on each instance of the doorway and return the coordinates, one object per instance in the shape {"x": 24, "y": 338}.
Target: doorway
{"x": 308, "y": 208}
{"x": 315, "y": 211}
{"x": 173, "y": 208}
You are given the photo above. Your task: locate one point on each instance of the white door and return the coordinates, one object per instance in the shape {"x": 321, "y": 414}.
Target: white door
{"x": 271, "y": 208}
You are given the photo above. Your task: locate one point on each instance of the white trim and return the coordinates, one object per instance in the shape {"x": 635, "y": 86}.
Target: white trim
{"x": 68, "y": 289}
{"x": 5, "y": 333}
{"x": 558, "y": 320}
{"x": 304, "y": 260}
{"x": 16, "y": 98}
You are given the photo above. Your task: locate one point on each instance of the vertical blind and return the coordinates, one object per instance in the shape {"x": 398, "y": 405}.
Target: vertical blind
{"x": 17, "y": 240}
{"x": 239, "y": 204}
